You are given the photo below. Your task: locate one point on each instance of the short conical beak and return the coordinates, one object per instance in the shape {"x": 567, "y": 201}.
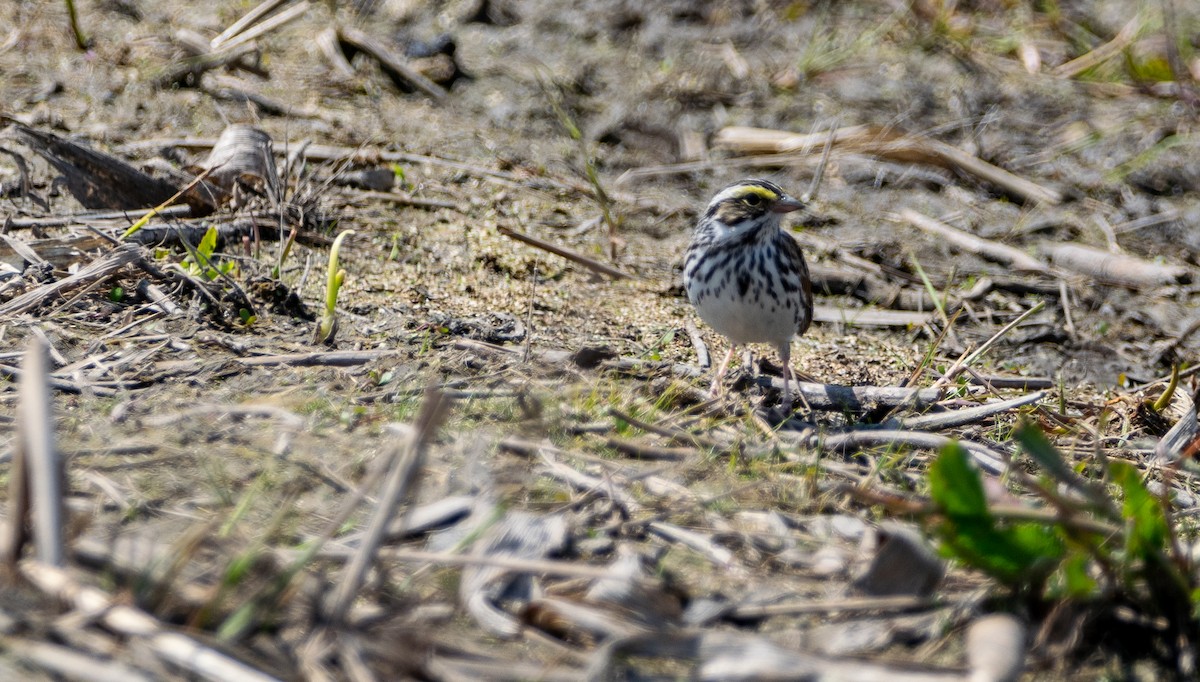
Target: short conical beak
{"x": 786, "y": 204}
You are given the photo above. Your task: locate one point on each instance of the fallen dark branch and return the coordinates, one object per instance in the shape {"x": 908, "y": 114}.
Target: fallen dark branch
{"x": 970, "y": 415}
{"x": 589, "y": 263}
{"x": 404, "y": 75}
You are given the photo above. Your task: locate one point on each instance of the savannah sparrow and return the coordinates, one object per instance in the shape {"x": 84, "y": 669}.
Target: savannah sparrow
{"x": 746, "y": 276}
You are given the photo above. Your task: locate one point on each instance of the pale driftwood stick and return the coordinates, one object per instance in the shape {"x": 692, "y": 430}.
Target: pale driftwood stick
{"x": 97, "y": 269}
{"x": 857, "y": 398}
{"x": 289, "y": 14}
{"x": 96, "y": 216}
{"x": 148, "y": 289}
{"x": 390, "y": 62}
{"x": 1153, "y": 220}
{"x": 248, "y": 19}
{"x": 1001, "y": 253}
{"x": 949, "y": 419}
{"x": 1119, "y": 269}
{"x": 589, "y": 263}
{"x": 327, "y": 43}
{"x": 890, "y": 144}
{"x": 988, "y": 459}
{"x": 819, "y": 396}
{"x": 767, "y": 141}
{"x": 870, "y": 317}
{"x": 35, "y": 438}
{"x": 174, "y": 648}
{"x": 1180, "y": 443}
{"x": 701, "y": 543}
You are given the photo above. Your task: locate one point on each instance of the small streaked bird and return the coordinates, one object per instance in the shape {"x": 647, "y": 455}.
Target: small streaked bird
{"x": 746, "y": 276}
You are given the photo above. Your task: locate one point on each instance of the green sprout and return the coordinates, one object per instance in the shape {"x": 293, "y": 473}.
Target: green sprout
{"x": 199, "y": 260}
{"x": 335, "y": 277}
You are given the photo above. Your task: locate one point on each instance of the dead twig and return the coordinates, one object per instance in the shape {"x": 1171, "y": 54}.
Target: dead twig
{"x": 589, "y": 263}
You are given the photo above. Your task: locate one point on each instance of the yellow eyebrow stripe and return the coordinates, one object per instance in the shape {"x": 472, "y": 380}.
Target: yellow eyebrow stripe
{"x": 755, "y": 189}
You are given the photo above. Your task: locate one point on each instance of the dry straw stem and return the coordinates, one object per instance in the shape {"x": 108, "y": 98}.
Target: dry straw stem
{"x": 1112, "y": 48}
{"x": 887, "y": 144}
{"x": 248, "y": 19}
{"x": 988, "y": 459}
{"x": 157, "y": 210}
{"x": 35, "y": 444}
{"x": 239, "y": 33}
{"x": 403, "y": 474}
{"x": 174, "y": 648}
{"x": 96, "y": 270}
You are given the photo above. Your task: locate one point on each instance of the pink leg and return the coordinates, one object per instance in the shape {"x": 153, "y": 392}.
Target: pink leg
{"x": 785, "y": 354}
{"x": 716, "y": 384}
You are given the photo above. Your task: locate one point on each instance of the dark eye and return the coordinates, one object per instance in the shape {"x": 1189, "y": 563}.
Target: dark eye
{"x": 752, "y": 199}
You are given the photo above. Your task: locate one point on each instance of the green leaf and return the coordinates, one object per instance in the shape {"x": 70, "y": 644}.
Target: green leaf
{"x": 954, "y": 484}
{"x": 116, "y": 294}
{"x": 208, "y": 244}
{"x": 1140, "y": 508}
{"x": 971, "y": 534}
{"x": 1073, "y": 579}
